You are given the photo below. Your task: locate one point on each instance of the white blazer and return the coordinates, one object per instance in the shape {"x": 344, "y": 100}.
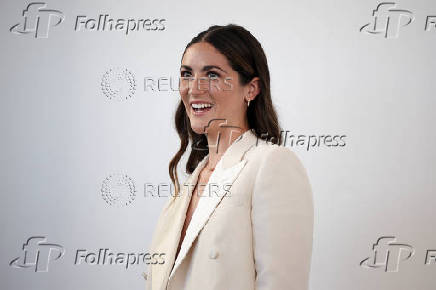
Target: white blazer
{"x": 252, "y": 228}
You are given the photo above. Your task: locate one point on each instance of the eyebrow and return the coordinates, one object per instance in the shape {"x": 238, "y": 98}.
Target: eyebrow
{"x": 205, "y": 68}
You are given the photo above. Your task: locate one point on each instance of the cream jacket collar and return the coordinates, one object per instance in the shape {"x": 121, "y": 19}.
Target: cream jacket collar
{"x": 226, "y": 172}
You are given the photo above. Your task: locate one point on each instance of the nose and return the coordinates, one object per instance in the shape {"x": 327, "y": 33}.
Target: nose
{"x": 198, "y": 85}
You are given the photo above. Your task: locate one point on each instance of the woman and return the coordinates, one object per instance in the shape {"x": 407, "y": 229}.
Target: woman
{"x": 244, "y": 218}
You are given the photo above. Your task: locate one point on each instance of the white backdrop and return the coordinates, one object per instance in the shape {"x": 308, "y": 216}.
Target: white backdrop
{"x": 79, "y": 128}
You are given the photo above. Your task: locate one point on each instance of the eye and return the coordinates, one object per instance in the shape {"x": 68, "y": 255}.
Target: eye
{"x": 184, "y": 72}
{"x": 213, "y": 75}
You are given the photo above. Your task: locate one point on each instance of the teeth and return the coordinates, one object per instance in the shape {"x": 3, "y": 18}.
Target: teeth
{"x": 201, "y": 106}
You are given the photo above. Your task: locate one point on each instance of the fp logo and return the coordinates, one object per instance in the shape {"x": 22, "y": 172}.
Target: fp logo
{"x": 387, "y": 254}
{"x": 387, "y": 20}
{"x": 38, "y": 254}
{"x": 38, "y": 20}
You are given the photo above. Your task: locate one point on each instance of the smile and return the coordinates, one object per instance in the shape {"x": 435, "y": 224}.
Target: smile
{"x": 201, "y": 108}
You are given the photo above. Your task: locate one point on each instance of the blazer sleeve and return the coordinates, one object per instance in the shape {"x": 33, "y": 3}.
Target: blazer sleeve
{"x": 282, "y": 217}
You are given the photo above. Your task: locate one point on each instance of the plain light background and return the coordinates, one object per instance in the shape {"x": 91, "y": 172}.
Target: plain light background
{"x": 61, "y": 136}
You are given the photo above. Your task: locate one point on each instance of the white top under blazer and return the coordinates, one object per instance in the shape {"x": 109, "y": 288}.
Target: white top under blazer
{"x": 252, "y": 228}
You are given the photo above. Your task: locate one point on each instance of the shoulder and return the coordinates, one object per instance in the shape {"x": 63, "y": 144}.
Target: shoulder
{"x": 281, "y": 176}
{"x": 275, "y": 156}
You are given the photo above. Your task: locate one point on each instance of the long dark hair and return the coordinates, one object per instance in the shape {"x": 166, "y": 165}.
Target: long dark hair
{"x": 246, "y": 56}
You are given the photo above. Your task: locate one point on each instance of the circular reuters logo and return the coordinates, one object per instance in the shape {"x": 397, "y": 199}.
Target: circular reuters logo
{"x": 118, "y": 190}
{"x": 118, "y": 84}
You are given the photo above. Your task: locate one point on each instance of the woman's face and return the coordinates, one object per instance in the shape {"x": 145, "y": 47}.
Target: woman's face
{"x": 208, "y": 80}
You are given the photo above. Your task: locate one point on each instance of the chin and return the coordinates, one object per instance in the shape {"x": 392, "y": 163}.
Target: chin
{"x": 198, "y": 129}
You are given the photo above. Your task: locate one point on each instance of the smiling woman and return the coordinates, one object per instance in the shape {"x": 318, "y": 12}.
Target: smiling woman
{"x": 254, "y": 229}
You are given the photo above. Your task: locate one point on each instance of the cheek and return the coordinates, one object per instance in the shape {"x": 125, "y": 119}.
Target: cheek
{"x": 183, "y": 88}
{"x": 228, "y": 104}
{"x": 184, "y": 95}
{"x": 186, "y": 105}
{"x": 228, "y": 94}
{"x": 230, "y": 99}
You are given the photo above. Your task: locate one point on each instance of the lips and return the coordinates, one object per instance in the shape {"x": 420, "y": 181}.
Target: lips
{"x": 201, "y": 107}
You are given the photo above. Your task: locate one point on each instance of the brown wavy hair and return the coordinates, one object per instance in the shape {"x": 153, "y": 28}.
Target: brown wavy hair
{"x": 246, "y": 56}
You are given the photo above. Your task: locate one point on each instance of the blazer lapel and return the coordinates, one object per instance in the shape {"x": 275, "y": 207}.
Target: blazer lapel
{"x": 225, "y": 173}
{"x": 174, "y": 218}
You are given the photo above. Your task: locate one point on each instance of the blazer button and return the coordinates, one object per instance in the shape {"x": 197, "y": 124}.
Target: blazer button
{"x": 144, "y": 275}
{"x": 213, "y": 254}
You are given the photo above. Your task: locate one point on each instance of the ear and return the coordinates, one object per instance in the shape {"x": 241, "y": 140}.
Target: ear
{"x": 253, "y": 88}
